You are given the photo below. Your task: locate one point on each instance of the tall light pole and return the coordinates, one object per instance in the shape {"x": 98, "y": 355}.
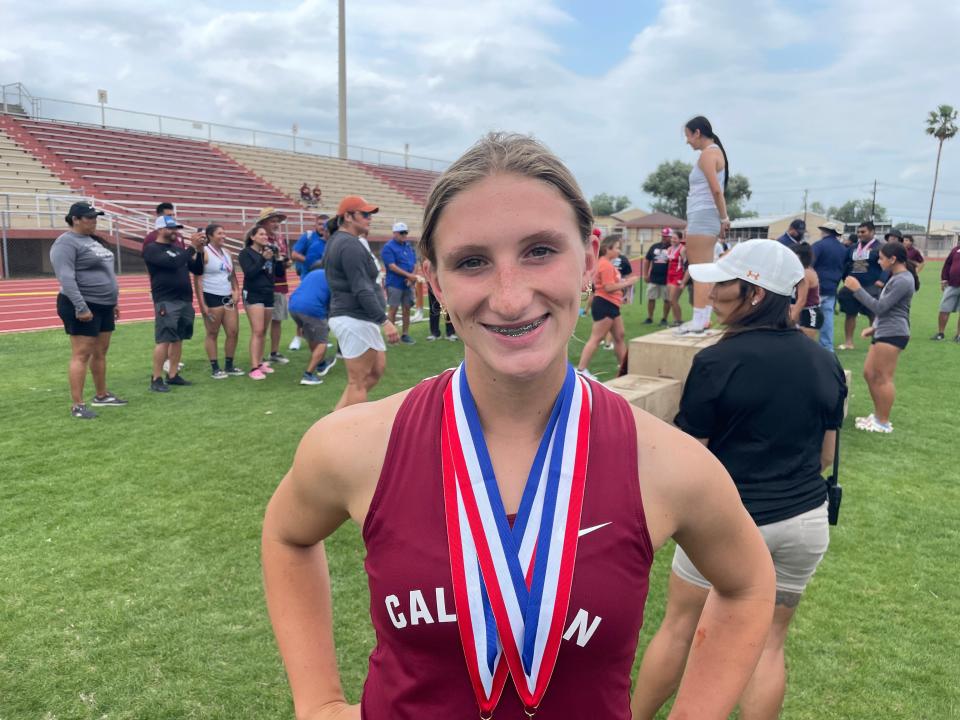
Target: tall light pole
{"x": 343, "y": 80}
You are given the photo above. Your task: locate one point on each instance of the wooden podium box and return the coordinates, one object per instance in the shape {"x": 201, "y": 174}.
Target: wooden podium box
{"x": 658, "y": 396}
{"x": 665, "y": 355}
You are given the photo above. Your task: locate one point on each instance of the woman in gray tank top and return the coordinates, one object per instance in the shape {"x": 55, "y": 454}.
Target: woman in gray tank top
{"x": 890, "y": 332}
{"x": 706, "y": 212}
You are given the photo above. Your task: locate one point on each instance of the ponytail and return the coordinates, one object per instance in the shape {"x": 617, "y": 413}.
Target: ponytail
{"x": 726, "y": 164}
{"x": 333, "y": 224}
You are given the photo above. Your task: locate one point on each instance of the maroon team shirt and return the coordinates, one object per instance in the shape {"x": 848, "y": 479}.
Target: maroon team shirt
{"x": 417, "y": 669}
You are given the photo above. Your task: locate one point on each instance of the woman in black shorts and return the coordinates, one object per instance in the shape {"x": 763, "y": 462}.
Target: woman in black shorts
{"x": 256, "y": 260}
{"x": 218, "y": 293}
{"x": 87, "y": 304}
{"x": 805, "y": 311}
{"x": 605, "y": 308}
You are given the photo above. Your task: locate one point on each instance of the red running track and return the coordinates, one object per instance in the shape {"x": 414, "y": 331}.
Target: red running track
{"x": 32, "y": 304}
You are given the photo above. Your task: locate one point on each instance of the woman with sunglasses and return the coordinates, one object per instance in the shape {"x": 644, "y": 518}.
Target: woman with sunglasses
{"x": 459, "y": 469}
{"x": 357, "y": 303}
{"x": 218, "y": 292}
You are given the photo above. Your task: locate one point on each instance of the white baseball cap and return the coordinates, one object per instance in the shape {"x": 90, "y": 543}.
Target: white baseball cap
{"x": 400, "y": 227}
{"x": 765, "y": 263}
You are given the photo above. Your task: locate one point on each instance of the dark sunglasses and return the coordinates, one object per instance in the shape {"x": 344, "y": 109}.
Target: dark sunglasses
{"x": 364, "y": 215}
{"x": 404, "y": 232}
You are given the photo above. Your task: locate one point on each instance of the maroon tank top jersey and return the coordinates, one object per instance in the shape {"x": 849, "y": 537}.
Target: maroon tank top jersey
{"x": 417, "y": 669}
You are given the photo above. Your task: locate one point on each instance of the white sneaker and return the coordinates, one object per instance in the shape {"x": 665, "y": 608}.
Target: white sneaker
{"x": 452, "y": 338}
{"x": 416, "y": 317}
{"x": 688, "y": 328}
{"x": 296, "y": 343}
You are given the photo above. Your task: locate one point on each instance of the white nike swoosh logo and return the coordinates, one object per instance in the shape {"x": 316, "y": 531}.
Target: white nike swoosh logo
{"x": 588, "y": 530}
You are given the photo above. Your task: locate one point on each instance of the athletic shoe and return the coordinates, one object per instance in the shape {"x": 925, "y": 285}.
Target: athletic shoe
{"x": 648, "y": 321}
{"x": 431, "y": 338}
{"x": 278, "y": 358}
{"x": 82, "y": 412}
{"x": 219, "y": 374}
{"x": 235, "y": 371}
{"x": 607, "y": 345}
{"x": 957, "y": 339}
{"x": 863, "y": 423}
{"x": 257, "y": 374}
{"x": 938, "y": 336}
{"x": 663, "y": 323}
{"x": 265, "y": 368}
{"x": 675, "y": 324}
{"x": 166, "y": 366}
{"x": 407, "y": 340}
{"x": 588, "y": 375}
{"x": 178, "y": 380}
{"x": 108, "y": 400}
{"x": 296, "y": 343}
{"x": 310, "y": 379}
{"x": 874, "y": 425}
{"x": 416, "y": 317}
{"x": 452, "y": 337}
{"x": 158, "y": 385}
{"x": 688, "y": 328}
{"x": 324, "y": 367}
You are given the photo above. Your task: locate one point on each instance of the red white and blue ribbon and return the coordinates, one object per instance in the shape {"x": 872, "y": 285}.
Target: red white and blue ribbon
{"x": 512, "y": 585}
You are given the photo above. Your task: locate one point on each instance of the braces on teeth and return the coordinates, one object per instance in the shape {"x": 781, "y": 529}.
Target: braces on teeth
{"x": 517, "y": 331}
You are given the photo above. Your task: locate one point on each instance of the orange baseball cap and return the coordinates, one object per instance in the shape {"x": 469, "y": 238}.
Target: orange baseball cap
{"x": 355, "y": 203}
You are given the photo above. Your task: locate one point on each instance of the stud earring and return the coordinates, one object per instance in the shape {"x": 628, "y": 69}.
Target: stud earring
{"x": 754, "y": 303}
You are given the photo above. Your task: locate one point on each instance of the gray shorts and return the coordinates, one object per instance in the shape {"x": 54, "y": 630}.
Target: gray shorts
{"x": 280, "y": 312}
{"x": 315, "y": 329}
{"x": 397, "y": 297}
{"x": 950, "y": 303}
{"x": 703, "y": 222}
{"x": 172, "y": 321}
{"x": 657, "y": 292}
{"x": 796, "y": 544}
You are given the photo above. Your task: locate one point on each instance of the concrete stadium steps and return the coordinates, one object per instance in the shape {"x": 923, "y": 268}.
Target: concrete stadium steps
{"x": 415, "y": 184}
{"x": 142, "y": 168}
{"x": 337, "y": 178}
{"x": 22, "y": 175}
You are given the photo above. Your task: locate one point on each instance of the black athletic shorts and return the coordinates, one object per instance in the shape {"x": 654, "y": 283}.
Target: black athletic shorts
{"x": 215, "y": 301}
{"x": 102, "y": 321}
{"x": 849, "y": 305}
{"x": 899, "y": 341}
{"x": 601, "y": 308}
{"x": 252, "y": 297}
{"x": 811, "y": 317}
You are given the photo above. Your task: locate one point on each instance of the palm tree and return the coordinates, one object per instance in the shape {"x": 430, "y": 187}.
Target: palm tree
{"x": 941, "y": 123}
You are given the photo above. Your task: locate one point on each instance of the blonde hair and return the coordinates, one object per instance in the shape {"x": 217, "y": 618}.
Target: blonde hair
{"x": 507, "y": 153}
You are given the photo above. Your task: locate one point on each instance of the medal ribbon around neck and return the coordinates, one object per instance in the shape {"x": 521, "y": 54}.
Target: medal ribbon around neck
{"x": 512, "y": 585}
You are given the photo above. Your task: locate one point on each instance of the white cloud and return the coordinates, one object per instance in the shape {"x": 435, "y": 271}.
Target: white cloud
{"x": 803, "y": 95}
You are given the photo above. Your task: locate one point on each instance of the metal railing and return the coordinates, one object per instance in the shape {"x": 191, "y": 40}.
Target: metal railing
{"x": 68, "y": 111}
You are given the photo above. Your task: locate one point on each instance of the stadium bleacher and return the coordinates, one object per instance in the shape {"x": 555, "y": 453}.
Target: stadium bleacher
{"x": 22, "y": 179}
{"x": 288, "y": 170}
{"x": 414, "y": 183}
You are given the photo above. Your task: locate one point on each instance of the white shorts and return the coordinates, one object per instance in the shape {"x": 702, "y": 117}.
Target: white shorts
{"x": 796, "y": 544}
{"x": 355, "y": 337}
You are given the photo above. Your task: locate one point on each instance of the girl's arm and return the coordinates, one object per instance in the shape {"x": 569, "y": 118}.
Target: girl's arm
{"x": 708, "y": 164}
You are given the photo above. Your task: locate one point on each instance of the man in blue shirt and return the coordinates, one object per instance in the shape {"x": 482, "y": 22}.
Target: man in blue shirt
{"x": 829, "y": 262}
{"x": 399, "y": 259}
{"x": 863, "y": 263}
{"x": 309, "y": 308}
{"x": 794, "y": 234}
{"x": 307, "y": 252}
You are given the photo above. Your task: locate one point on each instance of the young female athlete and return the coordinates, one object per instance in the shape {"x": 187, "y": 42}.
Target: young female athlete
{"x": 218, "y": 293}
{"x": 259, "y": 276}
{"x": 890, "y": 331}
{"x": 508, "y": 534}
{"x": 706, "y": 211}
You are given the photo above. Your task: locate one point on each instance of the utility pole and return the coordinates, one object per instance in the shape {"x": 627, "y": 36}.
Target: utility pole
{"x": 873, "y": 202}
{"x": 804, "y": 207}
{"x": 343, "y": 79}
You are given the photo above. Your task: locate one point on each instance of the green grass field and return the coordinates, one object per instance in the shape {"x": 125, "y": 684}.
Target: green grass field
{"x": 129, "y": 566}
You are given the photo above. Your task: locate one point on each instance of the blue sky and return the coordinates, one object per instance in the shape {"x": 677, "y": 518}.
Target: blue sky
{"x": 826, "y": 96}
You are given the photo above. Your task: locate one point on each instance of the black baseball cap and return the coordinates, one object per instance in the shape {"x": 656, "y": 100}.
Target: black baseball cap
{"x": 894, "y": 232}
{"x": 83, "y": 209}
